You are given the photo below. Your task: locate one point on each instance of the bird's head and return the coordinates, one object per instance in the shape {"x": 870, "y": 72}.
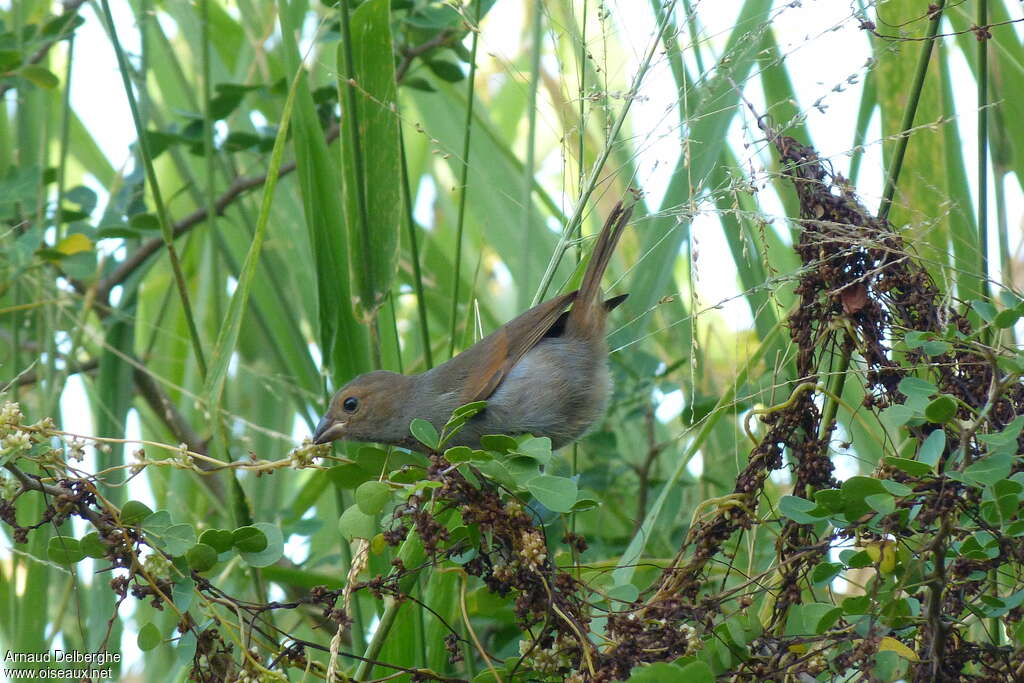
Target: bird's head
{"x": 369, "y": 408}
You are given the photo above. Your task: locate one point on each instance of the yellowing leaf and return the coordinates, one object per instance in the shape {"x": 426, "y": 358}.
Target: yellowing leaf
{"x": 73, "y": 244}
{"x": 884, "y": 553}
{"x": 890, "y": 644}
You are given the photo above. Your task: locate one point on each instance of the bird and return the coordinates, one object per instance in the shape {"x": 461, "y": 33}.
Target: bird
{"x": 544, "y": 373}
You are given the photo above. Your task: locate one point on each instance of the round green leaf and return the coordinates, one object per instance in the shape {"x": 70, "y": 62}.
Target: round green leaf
{"x": 557, "y": 494}
{"x": 92, "y": 545}
{"x": 133, "y": 512}
{"x": 372, "y": 496}
{"x": 179, "y": 538}
{"x": 941, "y": 410}
{"x": 201, "y": 557}
{"x": 218, "y": 539}
{"x": 272, "y": 552}
{"x": 354, "y": 523}
{"x": 249, "y": 539}
{"x": 149, "y": 637}
{"x": 349, "y": 475}
{"x": 64, "y": 550}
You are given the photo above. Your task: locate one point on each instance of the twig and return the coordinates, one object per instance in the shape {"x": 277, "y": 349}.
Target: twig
{"x": 237, "y": 188}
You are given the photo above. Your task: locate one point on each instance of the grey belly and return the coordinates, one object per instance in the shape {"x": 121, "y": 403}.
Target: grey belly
{"x": 559, "y": 390}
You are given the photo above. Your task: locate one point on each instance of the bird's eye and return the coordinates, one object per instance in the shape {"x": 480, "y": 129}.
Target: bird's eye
{"x": 351, "y": 404}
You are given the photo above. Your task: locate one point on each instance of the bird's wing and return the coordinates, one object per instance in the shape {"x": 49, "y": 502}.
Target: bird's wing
{"x": 497, "y": 354}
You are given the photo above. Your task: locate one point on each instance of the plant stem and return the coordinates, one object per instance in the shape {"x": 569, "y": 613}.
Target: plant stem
{"x": 574, "y": 221}
{"x": 531, "y": 141}
{"x": 417, "y": 274}
{"x": 165, "y": 223}
{"x": 908, "y": 114}
{"x": 983, "y": 149}
{"x": 464, "y": 180}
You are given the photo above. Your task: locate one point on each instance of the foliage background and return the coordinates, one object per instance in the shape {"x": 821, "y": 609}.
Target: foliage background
{"x": 233, "y": 351}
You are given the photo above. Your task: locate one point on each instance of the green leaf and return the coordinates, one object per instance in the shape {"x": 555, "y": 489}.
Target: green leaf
{"x": 354, "y": 523}
{"x": 371, "y": 169}
{"x": 39, "y": 76}
{"x": 984, "y": 309}
{"x": 856, "y": 491}
{"x": 181, "y": 594}
{"x": 133, "y": 512}
{"x": 696, "y": 672}
{"x": 144, "y": 221}
{"x": 917, "y": 390}
{"x": 372, "y": 496}
{"x": 1006, "y": 319}
{"x": 92, "y": 545}
{"x": 800, "y": 510}
{"x": 272, "y": 552}
{"x": 349, "y": 475}
{"x": 537, "y": 448}
{"x": 658, "y": 672}
{"x": 64, "y": 550}
{"x": 941, "y": 410}
{"x": 911, "y": 467}
{"x": 240, "y": 140}
{"x": 249, "y": 539}
{"x": 557, "y": 494}
{"x": 425, "y": 433}
{"x": 882, "y": 503}
{"x": 825, "y": 572}
{"x": 418, "y": 83}
{"x": 201, "y": 557}
{"x": 157, "y": 142}
{"x": 179, "y": 538}
{"x": 896, "y": 488}
{"x": 933, "y": 448}
{"x": 1006, "y": 440}
{"x": 898, "y": 415}
{"x": 445, "y": 70}
{"x": 149, "y": 637}
{"x": 218, "y": 539}
{"x": 989, "y": 469}
{"x": 469, "y": 410}
{"x": 231, "y": 324}
{"x": 157, "y": 523}
{"x": 499, "y": 443}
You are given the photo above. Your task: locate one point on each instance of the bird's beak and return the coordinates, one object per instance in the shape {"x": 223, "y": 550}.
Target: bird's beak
{"x": 328, "y": 430}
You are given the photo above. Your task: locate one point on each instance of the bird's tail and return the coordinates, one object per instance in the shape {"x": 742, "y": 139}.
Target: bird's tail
{"x": 590, "y": 289}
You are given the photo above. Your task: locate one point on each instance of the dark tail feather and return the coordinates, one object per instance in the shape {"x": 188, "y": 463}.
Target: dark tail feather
{"x": 610, "y": 304}
{"x": 585, "y": 304}
{"x": 602, "y": 254}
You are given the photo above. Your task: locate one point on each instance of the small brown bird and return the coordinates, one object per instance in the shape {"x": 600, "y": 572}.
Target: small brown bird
{"x": 544, "y": 373}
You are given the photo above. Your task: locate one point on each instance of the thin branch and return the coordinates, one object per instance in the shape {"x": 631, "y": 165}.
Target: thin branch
{"x": 238, "y": 187}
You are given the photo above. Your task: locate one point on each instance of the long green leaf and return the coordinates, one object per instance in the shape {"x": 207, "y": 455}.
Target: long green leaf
{"x": 370, "y": 156}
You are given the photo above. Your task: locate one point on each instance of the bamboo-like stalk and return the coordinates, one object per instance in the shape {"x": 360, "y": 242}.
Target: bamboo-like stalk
{"x": 463, "y": 182}
{"x": 924, "y": 56}
{"x": 344, "y": 10}
{"x": 414, "y": 254}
